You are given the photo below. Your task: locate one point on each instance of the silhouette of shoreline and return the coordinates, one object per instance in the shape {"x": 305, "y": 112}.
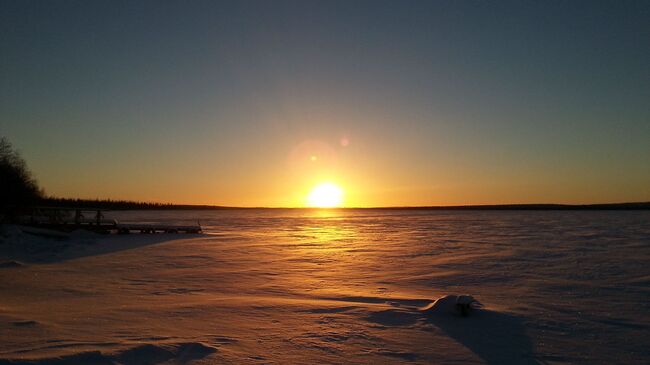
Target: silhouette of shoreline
{"x": 133, "y": 205}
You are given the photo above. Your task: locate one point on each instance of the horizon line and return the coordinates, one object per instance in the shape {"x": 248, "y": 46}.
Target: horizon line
{"x": 505, "y": 206}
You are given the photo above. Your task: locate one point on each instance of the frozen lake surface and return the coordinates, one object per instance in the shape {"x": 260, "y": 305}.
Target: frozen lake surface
{"x": 340, "y": 286}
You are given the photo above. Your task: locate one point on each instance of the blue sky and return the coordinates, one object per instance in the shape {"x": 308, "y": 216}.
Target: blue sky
{"x": 446, "y": 102}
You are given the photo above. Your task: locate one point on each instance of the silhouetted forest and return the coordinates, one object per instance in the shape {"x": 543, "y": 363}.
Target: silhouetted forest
{"x": 17, "y": 186}
{"x": 120, "y": 204}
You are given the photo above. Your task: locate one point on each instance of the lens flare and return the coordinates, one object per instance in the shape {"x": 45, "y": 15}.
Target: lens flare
{"x": 325, "y": 195}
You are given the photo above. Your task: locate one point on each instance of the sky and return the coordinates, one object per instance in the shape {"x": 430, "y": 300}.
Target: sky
{"x": 399, "y": 103}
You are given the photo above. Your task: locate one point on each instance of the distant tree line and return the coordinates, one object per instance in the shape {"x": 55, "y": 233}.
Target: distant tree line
{"x": 118, "y": 204}
{"x": 603, "y": 206}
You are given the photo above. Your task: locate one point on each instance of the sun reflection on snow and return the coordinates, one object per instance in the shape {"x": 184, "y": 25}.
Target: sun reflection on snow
{"x": 325, "y": 229}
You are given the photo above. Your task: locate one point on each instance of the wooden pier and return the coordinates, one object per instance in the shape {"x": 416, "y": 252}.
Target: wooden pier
{"x": 155, "y": 228}
{"x": 92, "y": 219}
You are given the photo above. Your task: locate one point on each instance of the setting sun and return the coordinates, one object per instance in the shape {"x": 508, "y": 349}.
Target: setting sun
{"x": 325, "y": 195}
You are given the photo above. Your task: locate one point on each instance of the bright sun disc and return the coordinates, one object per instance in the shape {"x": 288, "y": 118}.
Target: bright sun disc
{"x": 325, "y": 195}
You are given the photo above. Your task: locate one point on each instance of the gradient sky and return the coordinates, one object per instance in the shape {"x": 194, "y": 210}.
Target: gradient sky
{"x": 251, "y": 103}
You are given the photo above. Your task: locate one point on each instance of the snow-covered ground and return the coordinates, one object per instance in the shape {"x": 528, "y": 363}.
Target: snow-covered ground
{"x": 346, "y": 286}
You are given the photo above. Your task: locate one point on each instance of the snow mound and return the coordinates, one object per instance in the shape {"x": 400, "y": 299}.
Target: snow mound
{"x": 448, "y": 306}
{"x": 453, "y": 304}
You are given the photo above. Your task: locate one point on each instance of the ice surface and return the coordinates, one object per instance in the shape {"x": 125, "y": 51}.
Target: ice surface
{"x": 359, "y": 287}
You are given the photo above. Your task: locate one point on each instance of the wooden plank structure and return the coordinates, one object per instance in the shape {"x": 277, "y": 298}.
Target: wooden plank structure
{"x": 68, "y": 219}
{"x": 156, "y": 228}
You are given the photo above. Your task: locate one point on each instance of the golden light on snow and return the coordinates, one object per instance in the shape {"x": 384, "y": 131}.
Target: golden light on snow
{"x": 325, "y": 195}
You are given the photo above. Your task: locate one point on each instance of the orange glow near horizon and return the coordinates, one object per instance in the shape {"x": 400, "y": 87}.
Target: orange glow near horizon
{"x": 367, "y": 170}
{"x": 325, "y": 195}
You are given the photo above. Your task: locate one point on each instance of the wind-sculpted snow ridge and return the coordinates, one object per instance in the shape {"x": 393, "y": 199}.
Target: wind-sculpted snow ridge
{"x": 11, "y": 264}
{"x": 144, "y": 354}
{"x": 25, "y": 248}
